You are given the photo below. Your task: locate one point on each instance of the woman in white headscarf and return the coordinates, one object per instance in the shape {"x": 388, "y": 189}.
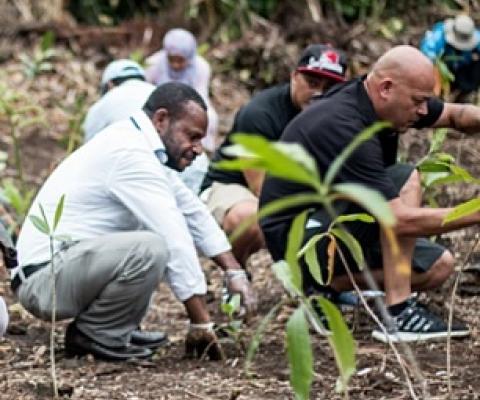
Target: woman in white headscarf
{"x": 178, "y": 61}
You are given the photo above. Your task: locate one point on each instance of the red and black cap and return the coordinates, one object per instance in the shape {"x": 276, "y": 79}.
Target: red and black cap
{"x": 323, "y": 61}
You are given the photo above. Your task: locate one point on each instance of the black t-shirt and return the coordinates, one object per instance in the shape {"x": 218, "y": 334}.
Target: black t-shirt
{"x": 325, "y": 128}
{"x": 266, "y": 114}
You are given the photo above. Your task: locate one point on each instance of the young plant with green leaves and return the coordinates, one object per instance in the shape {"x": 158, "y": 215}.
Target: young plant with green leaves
{"x": 292, "y": 162}
{"x": 440, "y": 168}
{"x": 42, "y": 224}
{"x": 40, "y": 61}
{"x": 19, "y": 113}
{"x": 232, "y": 329}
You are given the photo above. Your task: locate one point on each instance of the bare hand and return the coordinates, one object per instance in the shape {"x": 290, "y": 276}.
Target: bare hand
{"x": 201, "y": 341}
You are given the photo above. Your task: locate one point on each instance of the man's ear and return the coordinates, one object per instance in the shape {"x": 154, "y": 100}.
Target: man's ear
{"x": 385, "y": 88}
{"x": 161, "y": 120}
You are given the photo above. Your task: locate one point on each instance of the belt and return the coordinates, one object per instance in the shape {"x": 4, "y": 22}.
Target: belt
{"x": 27, "y": 271}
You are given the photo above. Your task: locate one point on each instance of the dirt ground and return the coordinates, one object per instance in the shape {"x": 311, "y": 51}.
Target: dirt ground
{"x": 24, "y": 353}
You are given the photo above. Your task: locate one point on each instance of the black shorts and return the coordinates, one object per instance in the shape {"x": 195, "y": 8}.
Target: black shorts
{"x": 426, "y": 252}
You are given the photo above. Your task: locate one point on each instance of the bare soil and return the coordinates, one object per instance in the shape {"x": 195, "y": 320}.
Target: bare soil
{"x": 24, "y": 354}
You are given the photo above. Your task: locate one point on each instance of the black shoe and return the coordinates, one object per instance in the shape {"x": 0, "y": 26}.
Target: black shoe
{"x": 78, "y": 344}
{"x": 415, "y": 323}
{"x": 150, "y": 340}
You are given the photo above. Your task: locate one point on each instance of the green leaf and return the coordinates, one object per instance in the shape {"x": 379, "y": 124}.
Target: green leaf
{"x": 284, "y": 160}
{"x": 257, "y": 337}
{"x": 462, "y": 210}
{"x": 369, "y": 199}
{"x": 341, "y": 341}
{"x": 311, "y": 259}
{"x": 283, "y": 273}
{"x": 58, "y": 212}
{"x": 434, "y": 166}
{"x": 48, "y": 39}
{"x": 363, "y": 217}
{"x": 232, "y": 306}
{"x": 300, "y": 358}
{"x": 438, "y": 139}
{"x": 294, "y": 241}
{"x": 362, "y": 137}
{"x": 352, "y": 244}
{"x": 63, "y": 238}
{"x": 40, "y": 224}
{"x": 275, "y": 206}
{"x": 44, "y": 216}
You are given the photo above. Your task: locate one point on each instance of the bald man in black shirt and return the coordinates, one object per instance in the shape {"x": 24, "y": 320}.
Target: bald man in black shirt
{"x": 399, "y": 90}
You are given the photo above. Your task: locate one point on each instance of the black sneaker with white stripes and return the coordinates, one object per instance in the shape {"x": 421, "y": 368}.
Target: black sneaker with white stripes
{"x": 416, "y": 323}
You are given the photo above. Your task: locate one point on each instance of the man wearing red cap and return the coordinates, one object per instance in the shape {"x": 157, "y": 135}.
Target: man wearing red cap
{"x": 232, "y": 196}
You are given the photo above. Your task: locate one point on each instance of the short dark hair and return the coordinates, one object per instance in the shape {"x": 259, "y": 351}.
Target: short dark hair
{"x": 172, "y": 96}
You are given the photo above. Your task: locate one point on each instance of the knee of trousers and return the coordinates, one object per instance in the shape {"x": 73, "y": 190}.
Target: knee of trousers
{"x": 150, "y": 255}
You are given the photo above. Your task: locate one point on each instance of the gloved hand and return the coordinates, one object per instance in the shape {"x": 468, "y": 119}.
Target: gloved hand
{"x": 236, "y": 281}
{"x": 201, "y": 341}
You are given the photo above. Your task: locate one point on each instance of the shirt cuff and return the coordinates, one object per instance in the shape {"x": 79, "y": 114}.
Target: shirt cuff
{"x": 213, "y": 245}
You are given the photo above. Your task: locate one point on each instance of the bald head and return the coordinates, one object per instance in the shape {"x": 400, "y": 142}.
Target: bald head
{"x": 399, "y": 86}
{"x": 404, "y": 62}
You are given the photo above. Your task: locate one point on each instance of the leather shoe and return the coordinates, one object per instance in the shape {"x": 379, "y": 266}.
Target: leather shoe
{"x": 79, "y": 344}
{"x": 149, "y": 339}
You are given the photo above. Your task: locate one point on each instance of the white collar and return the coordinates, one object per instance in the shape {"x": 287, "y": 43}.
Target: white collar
{"x": 142, "y": 122}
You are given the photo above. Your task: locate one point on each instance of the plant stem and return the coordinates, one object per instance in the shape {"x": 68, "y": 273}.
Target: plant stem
{"x": 54, "y": 312}
{"x": 18, "y": 157}
{"x": 450, "y": 313}
{"x": 372, "y": 285}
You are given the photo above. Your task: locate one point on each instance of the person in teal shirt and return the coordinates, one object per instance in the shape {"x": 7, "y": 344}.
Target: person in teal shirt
{"x": 457, "y": 43}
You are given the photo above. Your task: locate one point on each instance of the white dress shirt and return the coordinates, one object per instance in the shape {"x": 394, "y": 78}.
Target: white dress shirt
{"x": 123, "y": 100}
{"x": 115, "y": 182}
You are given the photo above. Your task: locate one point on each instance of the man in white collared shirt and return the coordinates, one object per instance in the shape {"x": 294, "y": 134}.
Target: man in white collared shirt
{"x": 132, "y": 223}
{"x": 124, "y": 91}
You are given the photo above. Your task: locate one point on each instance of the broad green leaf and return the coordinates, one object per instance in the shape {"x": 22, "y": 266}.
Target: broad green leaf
{"x": 438, "y": 139}
{"x": 341, "y": 341}
{"x": 273, "y": 207}
{"x": 300, "y": 358}
{"x": 232, "y": 306}
{"x": 58, "y": 212}
{"x": 463, "y": 210}
{"x": 434, "y": 166}
{"x": 451, "y": 178}
{"x": 283, "y": 160}
{"x": 283, "y": 273}
{"x": 294, "y": 241}
{"x": 371, "y": 200}
{"x": 362, "y": 137}
{"x": 44, "y": 216}
{"x": 363, "y": 217}
{"x": 40, "y": 224}
{"x": 311, "y": 258}
{"x": 257, "y": 337}
{"x": 352, "y": 244}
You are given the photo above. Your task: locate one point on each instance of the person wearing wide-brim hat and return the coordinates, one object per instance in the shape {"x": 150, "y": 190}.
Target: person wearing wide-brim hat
{"x": 456, "y": 41}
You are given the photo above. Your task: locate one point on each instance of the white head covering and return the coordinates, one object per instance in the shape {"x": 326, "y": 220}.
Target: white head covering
{"x": 460, "y": 33}
{"x": 178, "y": 42}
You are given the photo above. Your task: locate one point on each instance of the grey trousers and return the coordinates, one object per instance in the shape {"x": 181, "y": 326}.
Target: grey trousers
{"x": 104, "y": 283}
